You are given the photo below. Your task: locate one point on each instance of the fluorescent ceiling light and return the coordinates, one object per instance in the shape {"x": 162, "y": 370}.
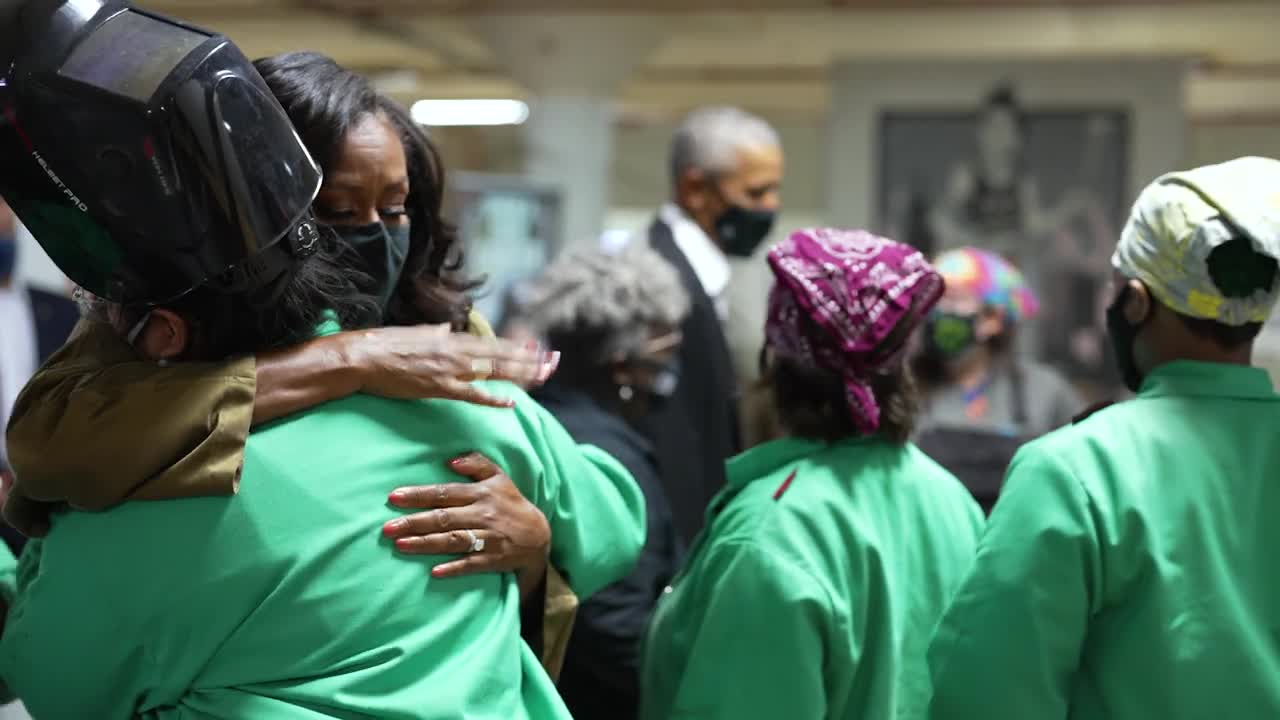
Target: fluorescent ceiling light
{"x": 470, "y": 112}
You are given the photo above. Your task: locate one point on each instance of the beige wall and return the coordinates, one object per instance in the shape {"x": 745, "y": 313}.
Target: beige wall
{"x": 639, "y": 172}
{"x": 639, "y": 177}
{"x": 1219, "y": 142}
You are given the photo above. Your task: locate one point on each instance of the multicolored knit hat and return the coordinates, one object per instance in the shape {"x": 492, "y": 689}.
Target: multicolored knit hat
{"x": 839, "y": 296}
{"x": 989, "y": 278}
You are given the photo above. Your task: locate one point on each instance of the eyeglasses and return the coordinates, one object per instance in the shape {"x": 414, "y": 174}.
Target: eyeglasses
{"x": 662, "y": 343}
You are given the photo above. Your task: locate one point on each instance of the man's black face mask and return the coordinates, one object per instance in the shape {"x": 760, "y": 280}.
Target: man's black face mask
{"x": 1123, "y": 335}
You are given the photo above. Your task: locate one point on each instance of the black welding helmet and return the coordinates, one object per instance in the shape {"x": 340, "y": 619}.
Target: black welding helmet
{"x": 147, "y": 157}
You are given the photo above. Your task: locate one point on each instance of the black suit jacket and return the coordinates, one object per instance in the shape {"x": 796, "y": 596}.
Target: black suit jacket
{"x": 697, "y": 429}
{"x": 601, "y": 675}
{"x": 53, "y": 316}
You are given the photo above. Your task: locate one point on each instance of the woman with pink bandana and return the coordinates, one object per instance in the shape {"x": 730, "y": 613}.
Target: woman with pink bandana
{"x": 831, "y": 553}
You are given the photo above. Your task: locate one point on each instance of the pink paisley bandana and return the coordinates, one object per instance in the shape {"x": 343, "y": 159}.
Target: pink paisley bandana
{"x": 839, "y": 294}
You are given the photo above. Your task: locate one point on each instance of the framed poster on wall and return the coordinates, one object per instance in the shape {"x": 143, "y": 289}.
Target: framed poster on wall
{"x": 906, "y": 144}
{"x": 1047, "y": 190}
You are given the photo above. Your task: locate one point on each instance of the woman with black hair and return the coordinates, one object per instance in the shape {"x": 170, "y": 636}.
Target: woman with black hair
{"x": 374, "y": 184}
{"x": 411, "y": 361}
{"x": 382, "y": 195}
{"x": 283, "y": 600}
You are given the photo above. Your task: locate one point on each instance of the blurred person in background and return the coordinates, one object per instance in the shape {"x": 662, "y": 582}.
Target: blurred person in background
{"x": 982, "y": 397}
{"x": 250, "y": 605}
{"x": 615, "y": 317}
{"x": 834, "y": 549}
{"x": 726, "y": 174}
{"x": 33, "y": 324}
{"x": 1129, "y": 569}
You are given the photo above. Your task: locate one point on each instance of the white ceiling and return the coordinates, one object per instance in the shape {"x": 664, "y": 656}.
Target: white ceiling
{"x": 769, "y": 55}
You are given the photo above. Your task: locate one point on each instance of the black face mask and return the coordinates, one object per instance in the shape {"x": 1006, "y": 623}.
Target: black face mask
{"x": 741, "y": 230}
{"x": 384, "y": 251}
{"x": 1123, "y": 335}
{"x": 948, "y": 336}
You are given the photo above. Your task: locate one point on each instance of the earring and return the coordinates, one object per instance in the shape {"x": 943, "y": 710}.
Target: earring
{"x": 626, "y": 393}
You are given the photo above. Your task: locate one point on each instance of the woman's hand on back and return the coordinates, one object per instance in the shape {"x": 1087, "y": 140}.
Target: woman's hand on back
{"x": 430, "y": 361}
{"x": 514, "y": 532}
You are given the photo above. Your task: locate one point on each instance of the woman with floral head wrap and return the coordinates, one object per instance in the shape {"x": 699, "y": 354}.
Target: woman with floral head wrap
{"x": 831, "y": 553}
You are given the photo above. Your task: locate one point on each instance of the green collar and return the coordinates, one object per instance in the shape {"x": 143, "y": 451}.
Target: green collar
{"x": 1185, "y": 378}
{"x": 765, "y": 460}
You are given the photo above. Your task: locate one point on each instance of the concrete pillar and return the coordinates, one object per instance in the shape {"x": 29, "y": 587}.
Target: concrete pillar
{"x": 569, "y": 145}
{"x": 573, "y": 67}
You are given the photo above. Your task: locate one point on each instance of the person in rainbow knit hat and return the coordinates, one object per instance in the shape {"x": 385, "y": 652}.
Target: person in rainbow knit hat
{"x": 971, "y": 373}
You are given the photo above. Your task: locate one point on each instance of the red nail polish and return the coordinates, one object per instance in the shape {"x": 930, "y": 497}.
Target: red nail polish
{"x": 390, "y": 528}
{"x": 456, "y": 462}
{"x": 396, "y": 496}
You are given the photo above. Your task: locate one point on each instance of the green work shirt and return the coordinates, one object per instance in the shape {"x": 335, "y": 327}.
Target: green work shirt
{"x": 1129, "y": 569}
{"x": 815, "y": 587}
{"x": 8, "y": 573}
{"x": 8, "y": 586}
{"x": 285, "y": 601}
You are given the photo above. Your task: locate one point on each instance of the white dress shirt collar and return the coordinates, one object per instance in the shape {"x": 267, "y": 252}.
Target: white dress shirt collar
{"x": 707, "y": 259}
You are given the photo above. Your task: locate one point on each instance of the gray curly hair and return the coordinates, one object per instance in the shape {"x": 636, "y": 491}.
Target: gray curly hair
{"x": 604, "y": 303}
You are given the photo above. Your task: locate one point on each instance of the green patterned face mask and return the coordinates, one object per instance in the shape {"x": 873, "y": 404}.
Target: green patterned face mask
{"x": 948, "y": 335}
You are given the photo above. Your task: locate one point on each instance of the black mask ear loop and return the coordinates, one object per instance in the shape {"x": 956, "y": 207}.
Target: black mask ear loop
{"x": 1123, "y": 335}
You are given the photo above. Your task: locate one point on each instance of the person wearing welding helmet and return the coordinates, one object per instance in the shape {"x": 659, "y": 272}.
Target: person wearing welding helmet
{"x": 155, "y": 167}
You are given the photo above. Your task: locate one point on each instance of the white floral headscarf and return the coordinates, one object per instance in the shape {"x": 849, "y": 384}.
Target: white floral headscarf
{"x": 1182, "y": 217}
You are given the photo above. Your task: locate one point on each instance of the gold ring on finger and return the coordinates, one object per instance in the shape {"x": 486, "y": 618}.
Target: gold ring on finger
{"x": 481, "y": 369}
